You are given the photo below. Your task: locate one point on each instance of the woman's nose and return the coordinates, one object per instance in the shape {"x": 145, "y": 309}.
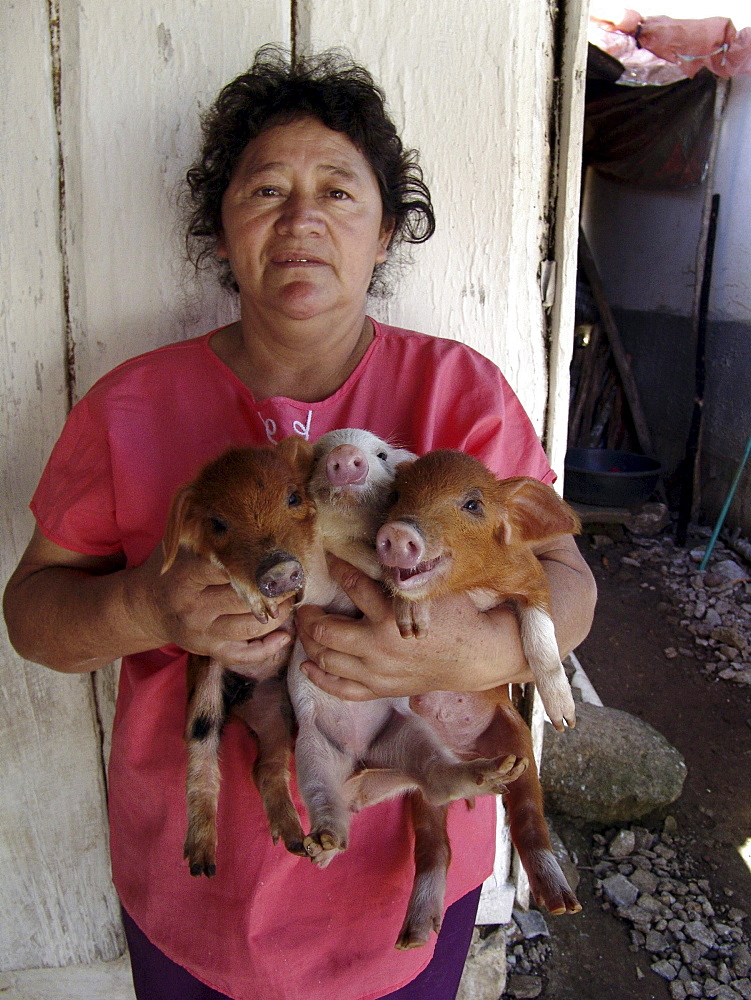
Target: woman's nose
{"x": 299, "y": 214}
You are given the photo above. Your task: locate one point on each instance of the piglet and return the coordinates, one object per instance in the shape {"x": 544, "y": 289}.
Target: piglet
{"x": 250, "y": 514}
{"x": 352, "y": 754}
{"x": 453, "y": 528}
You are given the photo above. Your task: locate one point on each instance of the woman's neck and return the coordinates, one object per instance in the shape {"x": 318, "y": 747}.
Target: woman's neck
{"x": 302, "y": 361}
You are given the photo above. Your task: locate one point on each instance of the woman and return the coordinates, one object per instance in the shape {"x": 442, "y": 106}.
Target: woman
{"x": 301, "y": 193}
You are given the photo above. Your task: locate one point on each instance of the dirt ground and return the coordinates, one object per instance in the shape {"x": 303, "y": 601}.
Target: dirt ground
{"x": 709, "y": 721}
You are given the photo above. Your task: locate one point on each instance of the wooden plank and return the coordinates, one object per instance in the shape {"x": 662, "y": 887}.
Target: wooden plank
{"x": 471, "y": 87}
{"x": 564, "y": 221}
{"x": 57, "y": 903}
{"x": 133, "y": 77}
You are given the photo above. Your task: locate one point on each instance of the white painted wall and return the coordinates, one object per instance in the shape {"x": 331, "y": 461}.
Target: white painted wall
{"x": 56, "y": 905}
{"x": 731, "y": 276}
{"x": 471, "y": 83}
{"x": 483, "y": 133}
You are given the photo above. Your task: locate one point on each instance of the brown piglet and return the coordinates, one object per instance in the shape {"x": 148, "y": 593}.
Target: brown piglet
{"x": 249, "y": 513}
{"x": 453, "y": 527}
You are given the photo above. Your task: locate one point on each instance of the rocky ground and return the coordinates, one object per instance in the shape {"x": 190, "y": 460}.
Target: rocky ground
{"x": 667, "y": 898}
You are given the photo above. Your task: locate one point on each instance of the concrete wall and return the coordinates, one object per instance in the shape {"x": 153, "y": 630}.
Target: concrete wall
{"x": 645, "y": 246}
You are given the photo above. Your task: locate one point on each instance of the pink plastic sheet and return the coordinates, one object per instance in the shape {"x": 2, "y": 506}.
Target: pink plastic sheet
{"x": 690, "y": 45}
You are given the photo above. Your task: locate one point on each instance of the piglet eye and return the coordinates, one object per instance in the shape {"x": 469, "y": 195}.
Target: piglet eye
{"x": 473, "y": 506}
{"x": 382, "y": 455}
{"x": 294, "y": 499}
{"x": 394, "y": 497}
{"x": 219, "y": 525}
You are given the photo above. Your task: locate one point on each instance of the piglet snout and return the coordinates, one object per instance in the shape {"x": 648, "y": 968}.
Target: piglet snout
{"x": 280, "y": 574}
{"x": 400, "y": 544}
{"x": 347, "y": 466}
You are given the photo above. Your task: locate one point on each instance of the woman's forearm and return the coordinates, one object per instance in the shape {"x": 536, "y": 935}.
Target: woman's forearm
{"x": 573, "y": 592}
{"x": 73, "y": 621}
{"x": 75, "y": 613}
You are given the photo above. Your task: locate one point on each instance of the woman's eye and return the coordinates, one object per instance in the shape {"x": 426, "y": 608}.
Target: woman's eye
{"x": 219, "y": 525}
{"x": 294, "y": 499}
{"x": 338, "y": 195}
{"x": 267, "y": 191}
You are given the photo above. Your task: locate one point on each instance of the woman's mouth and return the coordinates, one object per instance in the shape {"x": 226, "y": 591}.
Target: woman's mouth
{"x": 297, "y": 260}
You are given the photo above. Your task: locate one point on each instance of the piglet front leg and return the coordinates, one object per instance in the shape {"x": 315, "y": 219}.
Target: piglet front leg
{"x": 541, "y": 650}
{"x": 412, "y": 617}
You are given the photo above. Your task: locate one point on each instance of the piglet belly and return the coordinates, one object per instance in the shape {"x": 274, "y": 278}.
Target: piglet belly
{"x": 458, "y": 717}
{"x": 353, "y": 726}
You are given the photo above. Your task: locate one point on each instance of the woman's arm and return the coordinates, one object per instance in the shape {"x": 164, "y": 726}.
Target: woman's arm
{"x": 465, "y": 650}
{"x": 75, "y": 613}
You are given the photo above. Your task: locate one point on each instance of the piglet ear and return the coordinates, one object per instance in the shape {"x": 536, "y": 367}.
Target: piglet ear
{"x": 299, "y": 452}
{"x": 177, "y": 521}
{"x": 404, "y": 465}
{"x": 533, "y": 511}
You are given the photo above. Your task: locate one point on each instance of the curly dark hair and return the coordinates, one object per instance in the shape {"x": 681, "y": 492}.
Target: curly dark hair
{"x": 341, "y": 95}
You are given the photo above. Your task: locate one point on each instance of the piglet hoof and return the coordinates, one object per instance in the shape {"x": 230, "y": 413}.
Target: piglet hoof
{"x": 201, "y": 857}
{"x": 284, "y": 824}
{"x": 548, "y": 883}
{"x": 415, "y": 932}
{"x": 494, "y": 776}
{"x": 558, "y": 701}
{"x": 322, "y": 846}
{"x": 412, "y": 618}
{"x": 512, "y": 767}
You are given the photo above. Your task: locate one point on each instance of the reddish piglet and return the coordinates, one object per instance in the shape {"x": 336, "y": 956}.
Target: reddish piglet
{"x": 453, "y": 527}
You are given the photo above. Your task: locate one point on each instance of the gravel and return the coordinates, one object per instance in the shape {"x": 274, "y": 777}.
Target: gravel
{"x": 713, "y": 606}
{"x": 696, "y": 944}
{"x": 694, "y": 941}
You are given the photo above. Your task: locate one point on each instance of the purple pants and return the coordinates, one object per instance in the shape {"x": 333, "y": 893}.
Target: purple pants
{"x": 156, "y": 977}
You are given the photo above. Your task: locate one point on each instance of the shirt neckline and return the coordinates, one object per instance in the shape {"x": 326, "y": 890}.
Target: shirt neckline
{"x": 343, "y": 389}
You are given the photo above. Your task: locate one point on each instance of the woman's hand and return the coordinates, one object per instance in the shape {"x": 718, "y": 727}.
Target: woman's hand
{"x": 465, "y": 649}
{"x": 194, "y": 606}
{"x": 75, "y": 613}
{"x": 365, "y": 658}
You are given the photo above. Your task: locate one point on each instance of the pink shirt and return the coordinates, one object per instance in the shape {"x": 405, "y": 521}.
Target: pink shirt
{"x": 268, "y": 924}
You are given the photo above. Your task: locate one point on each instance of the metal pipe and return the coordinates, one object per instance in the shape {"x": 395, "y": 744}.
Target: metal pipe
{"x": 726, "y": 507}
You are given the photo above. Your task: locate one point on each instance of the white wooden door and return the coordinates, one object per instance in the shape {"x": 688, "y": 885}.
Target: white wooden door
{"x": 99, "y": 123}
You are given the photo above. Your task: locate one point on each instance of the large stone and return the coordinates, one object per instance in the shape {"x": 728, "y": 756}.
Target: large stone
{"x": 612, "y": 768}
{"x": 484, "y": 976}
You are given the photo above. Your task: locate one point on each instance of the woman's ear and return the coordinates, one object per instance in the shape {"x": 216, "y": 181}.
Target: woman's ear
{"x": 384, "y": 240}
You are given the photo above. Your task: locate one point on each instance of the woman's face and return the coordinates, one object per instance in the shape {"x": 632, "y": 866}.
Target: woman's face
{"x": 302, "y": 223}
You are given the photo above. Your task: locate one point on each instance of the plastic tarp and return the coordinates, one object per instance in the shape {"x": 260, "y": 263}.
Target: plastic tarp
{"x": 711, "y": 43}
{"x": 655, "y": 137}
